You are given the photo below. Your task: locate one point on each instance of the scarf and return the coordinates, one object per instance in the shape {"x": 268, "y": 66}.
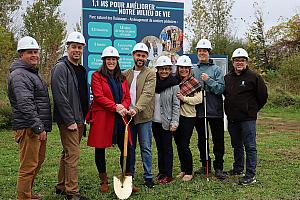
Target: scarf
{"x": 117, "y": 92}
{"x": 161, "y": 85}
{"x": 189, "y": 86}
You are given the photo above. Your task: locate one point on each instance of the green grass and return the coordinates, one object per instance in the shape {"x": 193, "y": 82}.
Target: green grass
{"x": 278, "y": 169}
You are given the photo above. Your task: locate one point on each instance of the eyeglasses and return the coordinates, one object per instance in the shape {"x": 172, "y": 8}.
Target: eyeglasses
{"x": 164, "y": 69}
{"x": 240, "y": 60}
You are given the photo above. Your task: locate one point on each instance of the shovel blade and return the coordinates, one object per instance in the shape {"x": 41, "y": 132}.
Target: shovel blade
{"x": 123, "y": 189}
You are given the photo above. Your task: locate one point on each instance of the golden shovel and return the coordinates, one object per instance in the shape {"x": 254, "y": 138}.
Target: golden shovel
{"x": 122, "y": 183}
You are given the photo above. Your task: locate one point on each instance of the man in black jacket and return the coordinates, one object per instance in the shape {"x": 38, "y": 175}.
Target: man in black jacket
{"x": 29, "y": 99}
{"x": 245, "y": 94}
{"x": 69, "y": 89}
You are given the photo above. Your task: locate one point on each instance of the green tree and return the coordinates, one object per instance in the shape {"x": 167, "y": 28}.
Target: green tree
{"x": 211, "y": 19}
{"x": 44, "y": 21}
{"x": 285, "y": 37}
{"x": 6, "y": 12}
{"x": 7, "y": 54}
{"x": 257, "y": 42}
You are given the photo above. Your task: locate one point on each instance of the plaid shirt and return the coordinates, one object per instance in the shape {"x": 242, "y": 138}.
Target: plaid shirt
{"x": 189, "y": 86}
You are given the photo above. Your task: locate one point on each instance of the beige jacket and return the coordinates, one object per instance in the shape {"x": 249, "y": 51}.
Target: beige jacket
{"x": 145, "y": 93}
{"x": 187, "y": 108}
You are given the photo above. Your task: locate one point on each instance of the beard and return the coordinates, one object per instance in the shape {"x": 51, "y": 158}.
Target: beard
{"x": 137, "y": 61}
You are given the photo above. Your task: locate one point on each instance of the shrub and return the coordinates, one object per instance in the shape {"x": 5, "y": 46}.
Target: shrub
{"x": 5, "y": 111}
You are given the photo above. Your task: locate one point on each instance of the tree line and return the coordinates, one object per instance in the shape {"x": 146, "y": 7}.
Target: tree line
{"x": 274, "y": 52}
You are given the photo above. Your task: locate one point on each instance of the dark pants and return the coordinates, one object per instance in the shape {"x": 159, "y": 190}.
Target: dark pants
{"x": 182, "y": 139}
{"x": 217, "y": 132}
{"x": 100, "y": 156}
{"x": 163, "y": 140}
{"x": 243, "y": 137}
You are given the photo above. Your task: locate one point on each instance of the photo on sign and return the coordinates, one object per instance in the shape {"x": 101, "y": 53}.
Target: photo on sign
{"x": 171, "y": 38}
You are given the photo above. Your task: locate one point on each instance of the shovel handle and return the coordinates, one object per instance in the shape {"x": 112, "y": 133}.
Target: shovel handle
{"x": 125, "y": 144}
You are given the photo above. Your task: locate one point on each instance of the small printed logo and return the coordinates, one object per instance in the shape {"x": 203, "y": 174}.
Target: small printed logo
{"x": 164, "y": 61}
{"x": 78, "y": 36}
{"x": 184, "y": 61}
{"x": 32, "y": 43}
{"x": 243, "y": 84}
{"x": 112, "y": 51}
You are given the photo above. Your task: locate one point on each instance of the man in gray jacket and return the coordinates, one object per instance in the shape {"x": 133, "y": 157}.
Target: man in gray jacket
{"x": 29, "y": 99}
{"x": 69, "y": 89}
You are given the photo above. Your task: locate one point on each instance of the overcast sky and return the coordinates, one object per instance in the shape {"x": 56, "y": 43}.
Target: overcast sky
{"x": 242, "y": 12}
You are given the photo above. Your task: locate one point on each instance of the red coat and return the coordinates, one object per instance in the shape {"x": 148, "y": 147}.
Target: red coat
{"x": 102, "y": 112}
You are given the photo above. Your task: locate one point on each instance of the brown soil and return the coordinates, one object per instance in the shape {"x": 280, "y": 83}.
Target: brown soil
{"x": 279, "y": 124}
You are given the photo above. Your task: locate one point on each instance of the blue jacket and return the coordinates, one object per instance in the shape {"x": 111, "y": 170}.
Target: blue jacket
{"x": 214, "y": 88}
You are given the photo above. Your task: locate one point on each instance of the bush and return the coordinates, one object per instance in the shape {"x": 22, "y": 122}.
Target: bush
{"x": 278, "y": 97}
{"x": 5, "y": 111}
{"x": 289, "y": 70}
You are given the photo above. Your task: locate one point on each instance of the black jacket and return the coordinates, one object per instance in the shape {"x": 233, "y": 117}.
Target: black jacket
{"x": 245, "y": 95}
{"x": 29, "y": 99}
{"x": 67, "y": 102}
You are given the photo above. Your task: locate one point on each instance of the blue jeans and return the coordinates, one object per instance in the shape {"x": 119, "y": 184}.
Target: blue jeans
{"x": 143, "y": 132}
{"x": 243, "y": 137}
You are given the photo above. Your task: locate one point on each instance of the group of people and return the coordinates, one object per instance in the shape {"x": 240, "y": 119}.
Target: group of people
{"x": 154, "y": 101}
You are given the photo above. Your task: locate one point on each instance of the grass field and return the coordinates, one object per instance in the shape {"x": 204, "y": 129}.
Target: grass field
{"x": 278, "y": 170}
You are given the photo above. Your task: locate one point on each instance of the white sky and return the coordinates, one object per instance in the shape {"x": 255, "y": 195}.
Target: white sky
{"x": 242, "y": 12}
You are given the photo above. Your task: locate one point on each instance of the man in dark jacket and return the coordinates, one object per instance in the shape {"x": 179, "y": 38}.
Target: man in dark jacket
{"x": 212, "y": 78}
{"x": 69, "y": 89}
{"x": 245, "y": 94}
{"x": 29, "y": 99}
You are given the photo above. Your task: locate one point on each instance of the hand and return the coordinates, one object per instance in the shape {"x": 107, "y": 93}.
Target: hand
{"x": 42, "y": 136}
{"x": 173, "y": 128}
{"x": 72, "y": 127}
{"x": 131, "y": 112}
{"x": 123, "y": 112}
{"x": 119, "y": 107}
{"x": 204, "y": 77}
{"x": 180, "y": 96}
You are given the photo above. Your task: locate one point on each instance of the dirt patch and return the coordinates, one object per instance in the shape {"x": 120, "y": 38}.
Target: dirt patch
{"x": 278, "y": 124}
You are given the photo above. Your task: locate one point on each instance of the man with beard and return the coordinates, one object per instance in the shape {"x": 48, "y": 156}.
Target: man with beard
{"x": 29, "y": 99}
{"x": 69, "y": 89}
{"x": 142, "y": 82}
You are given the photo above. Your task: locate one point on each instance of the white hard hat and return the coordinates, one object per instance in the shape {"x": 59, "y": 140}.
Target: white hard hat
{"x": 140, "y": 47}
{"x": 27, "y": 42}
{"x": 204, "y": 44}
{"x": 163, "y": 61}
{"x": 76, "y": 37}
{"x": 184, "y": 61}
{"x": 240, "y": 52}
{"x": 110, "y": 52}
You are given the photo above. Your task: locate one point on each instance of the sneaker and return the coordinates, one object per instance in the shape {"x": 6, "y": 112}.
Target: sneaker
{"x": 187, "y": 177}
{"x": 202, "y": 171}
{"x": 247, "y": 180}
{"x": 180, "y": 175}
{"x": 220, "y": 174}
{"x": 149, "y": 183}
{"x": 75, "y": 197}
{"x": 233, "y": 172}
{"x": 166, "y": 180}
{"x": 59, "y": 191}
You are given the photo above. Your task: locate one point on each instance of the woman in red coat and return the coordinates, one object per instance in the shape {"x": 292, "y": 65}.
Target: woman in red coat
{"x": 110, "y": 103}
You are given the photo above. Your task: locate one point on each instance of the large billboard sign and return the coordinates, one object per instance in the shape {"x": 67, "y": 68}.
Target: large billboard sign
{"x": 123, "y": 23}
